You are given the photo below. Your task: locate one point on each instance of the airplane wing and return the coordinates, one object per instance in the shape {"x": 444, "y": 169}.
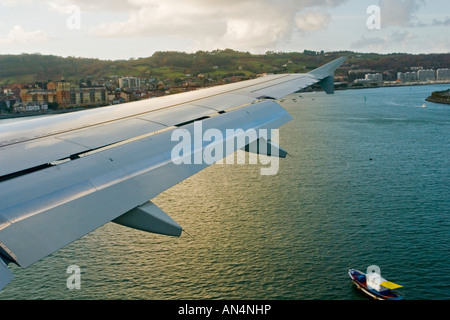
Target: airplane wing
{"x": 63, "y": 176}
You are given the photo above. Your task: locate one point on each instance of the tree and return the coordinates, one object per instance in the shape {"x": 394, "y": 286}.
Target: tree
{"x": 53, "y": 105}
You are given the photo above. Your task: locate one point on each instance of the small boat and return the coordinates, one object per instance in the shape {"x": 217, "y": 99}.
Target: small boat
{"x": 373, "y": 285}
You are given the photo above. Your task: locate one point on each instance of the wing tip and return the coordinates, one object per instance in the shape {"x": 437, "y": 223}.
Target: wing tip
{"x": 328, "y": 69}
{"x": 325, "y": 74}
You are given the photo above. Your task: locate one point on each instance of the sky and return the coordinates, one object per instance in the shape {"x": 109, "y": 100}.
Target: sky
{"x": 125, "y": 29}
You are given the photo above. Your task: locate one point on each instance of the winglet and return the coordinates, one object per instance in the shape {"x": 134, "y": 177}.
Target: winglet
{"x": 325, "y": 74}
{"x": 327, "y": 69}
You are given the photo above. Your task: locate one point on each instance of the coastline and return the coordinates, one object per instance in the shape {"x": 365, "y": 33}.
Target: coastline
{"x": 401, "y": 84}
{"x": 430, "y": 99}
{"x": 310, "y": 89}
{"x": 442, "y": 97}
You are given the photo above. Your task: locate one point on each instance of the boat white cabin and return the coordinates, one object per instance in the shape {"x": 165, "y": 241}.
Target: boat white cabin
{"x": 376, "y": 282}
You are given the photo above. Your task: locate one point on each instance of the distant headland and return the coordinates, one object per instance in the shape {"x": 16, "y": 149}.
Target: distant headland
{"x": 440, "y": 97}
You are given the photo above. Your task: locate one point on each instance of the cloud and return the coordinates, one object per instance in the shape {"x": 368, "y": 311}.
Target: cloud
{"x": 441, "y": 45}
{"x": 368, "y": 43}
{"x": 236, "y": 24}
{"x": 206, "y": 24}
{"x": 438, "y": 23}
{"x": 89, "y": 5}
{"x": 17, "y": 35}
{"x": 312, "y": 20}
{"x": 399, "y": 12}
{"x": 403, "y": 13}
{"x": 396, "y": 40}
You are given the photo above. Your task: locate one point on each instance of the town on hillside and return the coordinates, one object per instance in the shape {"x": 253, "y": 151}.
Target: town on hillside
{"x": 179, "y": 75}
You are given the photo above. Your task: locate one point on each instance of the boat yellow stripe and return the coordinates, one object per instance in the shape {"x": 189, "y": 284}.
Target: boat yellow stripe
{"x": 390, "y": 285}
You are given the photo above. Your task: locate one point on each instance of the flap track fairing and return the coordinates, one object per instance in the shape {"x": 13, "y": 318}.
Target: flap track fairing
{"x": 148, "y": 217}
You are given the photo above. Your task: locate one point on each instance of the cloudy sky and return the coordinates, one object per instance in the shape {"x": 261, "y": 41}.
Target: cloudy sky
{"x": 124, "y": 29}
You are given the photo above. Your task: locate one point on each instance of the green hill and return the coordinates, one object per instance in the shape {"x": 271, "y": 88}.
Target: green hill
{"x": 30, "y": 68}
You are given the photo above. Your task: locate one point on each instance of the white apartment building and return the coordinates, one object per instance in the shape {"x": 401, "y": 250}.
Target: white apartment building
{"x": 443, "y": 74}
{"x": 129, "y": 82}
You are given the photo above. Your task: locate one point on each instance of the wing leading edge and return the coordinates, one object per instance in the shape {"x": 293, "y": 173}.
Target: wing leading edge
{"x": 64, "y": 176}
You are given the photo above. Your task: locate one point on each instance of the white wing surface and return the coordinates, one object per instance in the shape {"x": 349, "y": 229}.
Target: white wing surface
{"x": 63, "y": 176}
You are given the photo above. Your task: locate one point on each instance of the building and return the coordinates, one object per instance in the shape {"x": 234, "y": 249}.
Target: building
{"x": 407, "y": 76}
{"x": 426, "y": 75}
{"x": 6, "y": 103}
{"x": 443, "y": 74}
{"x": 88, "y": 96}
{"x": 117, "y": 97}
{"x": 29, "y": 107}
{"x": 411, "y": 76}
{"x": 371, "y": 78}
{"x": 66, "y": 95}
{"x": 38, "y": 96}
{"x": 8, "y": 97}
{"x": 51, "y": 85}
{"x": 63, "y": 94}
{"x": 374, "y": 77}
{"x": 129, "y": 82}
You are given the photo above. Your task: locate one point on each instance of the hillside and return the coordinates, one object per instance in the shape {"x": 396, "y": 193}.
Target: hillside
{"x": 30, "y": 68}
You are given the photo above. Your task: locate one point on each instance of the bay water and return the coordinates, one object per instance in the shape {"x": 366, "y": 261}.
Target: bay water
{"x": 366, "y": 182}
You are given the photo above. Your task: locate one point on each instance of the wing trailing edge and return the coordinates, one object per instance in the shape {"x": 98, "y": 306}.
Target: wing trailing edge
{"x": 5, "y": 274}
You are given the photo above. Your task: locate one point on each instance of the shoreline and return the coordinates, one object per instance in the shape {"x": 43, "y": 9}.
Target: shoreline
{"x": 384, "y": 85}
{"x": 442, "y": 97}
{"x": 390, "y": 85}
{"x": 430, "y": 99}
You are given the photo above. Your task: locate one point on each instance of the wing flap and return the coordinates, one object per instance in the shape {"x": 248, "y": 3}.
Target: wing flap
{"x": 234, "y": 99}
{"x": 174, "y": 116}
{"x": 106, "y": 134}
{"x": 23, "y": 156}
{"x": 29, "y": 153}
{"x": 5, "y": 274}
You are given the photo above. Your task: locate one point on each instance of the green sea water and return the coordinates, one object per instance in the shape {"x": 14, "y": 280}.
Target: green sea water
{"x": 366, "y": 182}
